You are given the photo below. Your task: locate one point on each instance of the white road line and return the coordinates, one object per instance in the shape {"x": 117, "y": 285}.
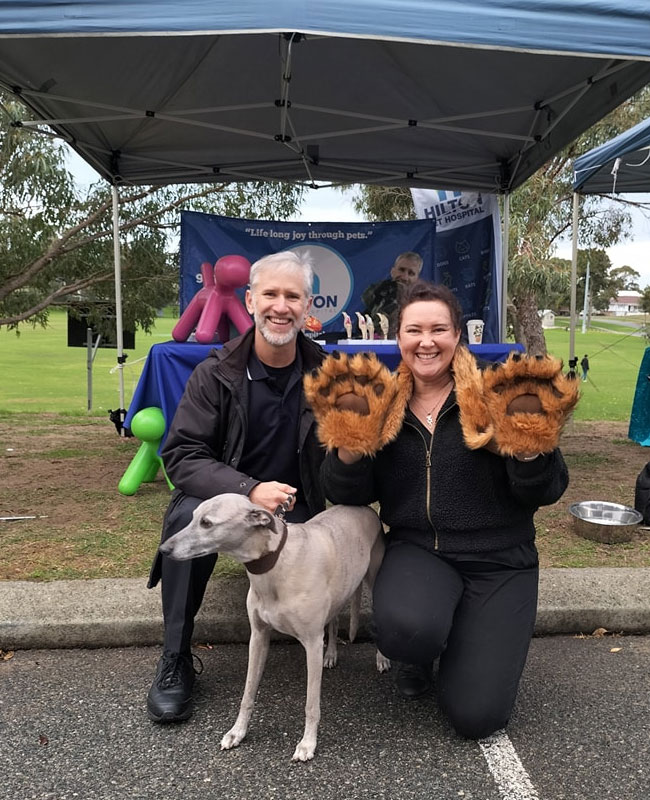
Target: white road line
{"x": 507, "y": 770}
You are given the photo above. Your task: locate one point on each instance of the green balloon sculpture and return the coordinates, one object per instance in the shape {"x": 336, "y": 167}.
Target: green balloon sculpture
{"x": 149, "y": 426}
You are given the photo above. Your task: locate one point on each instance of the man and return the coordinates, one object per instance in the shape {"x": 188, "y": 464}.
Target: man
{"x": 382, "y": 297}
{"x": 242, "y": 425}
{"x": 584, "y": 364}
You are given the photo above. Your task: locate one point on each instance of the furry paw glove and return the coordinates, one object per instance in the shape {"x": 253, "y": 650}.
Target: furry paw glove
{"x": 357, "y": 402}
{"x": 519, "y": 406}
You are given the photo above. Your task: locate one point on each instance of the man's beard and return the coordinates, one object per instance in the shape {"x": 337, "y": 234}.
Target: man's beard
{"x": 276, "y": 339}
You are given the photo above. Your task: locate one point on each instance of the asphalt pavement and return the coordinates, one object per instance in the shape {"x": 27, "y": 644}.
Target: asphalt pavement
{"x": 73, "y": 725}
{"x": 73, "y": 722}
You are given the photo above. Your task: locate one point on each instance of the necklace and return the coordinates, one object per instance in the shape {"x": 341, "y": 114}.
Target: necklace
{"x": 430, "y": 415}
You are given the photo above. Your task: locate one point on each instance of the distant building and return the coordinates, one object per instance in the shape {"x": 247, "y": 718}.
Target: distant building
{"x": 627, "y": 302}
{"x": 548, "y": 318}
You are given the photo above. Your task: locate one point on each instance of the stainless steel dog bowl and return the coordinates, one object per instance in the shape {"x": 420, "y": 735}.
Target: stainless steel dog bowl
{"x": 604, "y": 522}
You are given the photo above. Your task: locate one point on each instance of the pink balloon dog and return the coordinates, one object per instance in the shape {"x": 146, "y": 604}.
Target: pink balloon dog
{"x": 216, "y": 303}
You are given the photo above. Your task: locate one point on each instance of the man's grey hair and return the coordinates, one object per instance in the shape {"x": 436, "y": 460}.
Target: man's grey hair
{"x": 296, "y": 260}
{"x": 409, "y": 255}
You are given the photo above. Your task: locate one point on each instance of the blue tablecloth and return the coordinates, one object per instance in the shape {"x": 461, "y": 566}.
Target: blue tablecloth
{"x": 169, "y": 365}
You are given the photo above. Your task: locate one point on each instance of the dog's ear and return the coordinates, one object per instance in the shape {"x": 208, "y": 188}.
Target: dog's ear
{"x": 259, "y": 518}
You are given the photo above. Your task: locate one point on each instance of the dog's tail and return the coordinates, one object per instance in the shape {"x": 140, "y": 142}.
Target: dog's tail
{"x": 355, "y": 609}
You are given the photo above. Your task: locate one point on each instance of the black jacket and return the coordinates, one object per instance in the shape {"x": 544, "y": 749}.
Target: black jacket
{"x": 205, "y": 441}
{"x": 445, "y": 496}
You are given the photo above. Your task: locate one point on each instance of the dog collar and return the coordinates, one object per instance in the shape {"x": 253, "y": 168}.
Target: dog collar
{"x": 266, "y": 563}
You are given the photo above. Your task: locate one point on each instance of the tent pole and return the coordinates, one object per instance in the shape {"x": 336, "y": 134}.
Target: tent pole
{"x": 504, "y": 265}
{"x": 118, "y": 301}
{"x": 574, "y": 279}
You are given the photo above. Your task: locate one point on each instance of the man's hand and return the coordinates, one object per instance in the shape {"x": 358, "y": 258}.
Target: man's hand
{"x": 271, "y": 494}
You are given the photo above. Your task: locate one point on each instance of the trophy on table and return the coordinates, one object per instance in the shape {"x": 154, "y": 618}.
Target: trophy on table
{"x": 370, "y": 327}
{"x": 362, "y": 324}
{"x": 347, "y": 324}
{"x": 383, "y": 324}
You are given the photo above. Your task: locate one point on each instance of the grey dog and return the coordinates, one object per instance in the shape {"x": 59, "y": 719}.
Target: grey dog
{"x": 301, "y": 576}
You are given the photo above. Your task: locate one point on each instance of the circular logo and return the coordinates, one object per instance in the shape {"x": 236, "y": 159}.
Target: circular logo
{"x": 333, "y": 281}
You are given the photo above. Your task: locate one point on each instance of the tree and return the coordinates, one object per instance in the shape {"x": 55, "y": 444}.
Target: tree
{"x": 605, "y": 282}
{"x": 626, "y": 279}
{"x": 645, "y": 300}
{"x": 56, "y": 244}
{"x": 540, "y": 215}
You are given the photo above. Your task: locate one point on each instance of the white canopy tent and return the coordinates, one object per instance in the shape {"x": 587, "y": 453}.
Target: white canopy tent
{"x": 419, "y": 93}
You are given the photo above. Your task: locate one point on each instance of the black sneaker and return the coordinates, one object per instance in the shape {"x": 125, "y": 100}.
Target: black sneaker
{"x": 414, "y": 680}
{"x": 170, "y": 696}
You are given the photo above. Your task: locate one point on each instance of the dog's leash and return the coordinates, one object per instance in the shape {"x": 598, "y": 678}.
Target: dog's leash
{"x": 266, "y": 563}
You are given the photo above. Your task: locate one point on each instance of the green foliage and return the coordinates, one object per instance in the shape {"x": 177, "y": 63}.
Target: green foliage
{"x": 56, "y": 243}
{"x": 645, "y": 300}
{"x": 384, "y": 203}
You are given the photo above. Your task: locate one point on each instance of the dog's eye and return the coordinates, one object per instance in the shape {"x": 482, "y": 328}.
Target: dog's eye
{"x": 204, "y": 522}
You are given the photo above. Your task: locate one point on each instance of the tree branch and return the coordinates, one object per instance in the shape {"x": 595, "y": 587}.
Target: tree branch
{"x": 61, "y": 246}
{"x": 60, "y": 292}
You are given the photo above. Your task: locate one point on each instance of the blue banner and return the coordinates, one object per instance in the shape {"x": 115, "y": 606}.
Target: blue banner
{"x": 467, "y": 251}
{"x": 347, "y": 256}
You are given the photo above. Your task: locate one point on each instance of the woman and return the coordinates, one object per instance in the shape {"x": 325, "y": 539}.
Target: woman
{"x": 459, "y": 578}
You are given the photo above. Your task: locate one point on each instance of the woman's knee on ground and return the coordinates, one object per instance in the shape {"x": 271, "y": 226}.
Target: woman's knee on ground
{"x": 410, "y": 635}
{"x": 475, "y": 718}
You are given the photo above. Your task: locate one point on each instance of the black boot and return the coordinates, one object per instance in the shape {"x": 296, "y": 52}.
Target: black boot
{"x": 170, "y": 696}
{"x": 414, "y": 680}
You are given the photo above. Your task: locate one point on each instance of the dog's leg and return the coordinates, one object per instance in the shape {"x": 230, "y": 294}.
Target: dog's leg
{"x": 376, "y": 556}
{"x": 330, "y": 658}
{"x": 355, "y": 611}
{"x": 314, "y": 652}
{"x": 258, "y": 649}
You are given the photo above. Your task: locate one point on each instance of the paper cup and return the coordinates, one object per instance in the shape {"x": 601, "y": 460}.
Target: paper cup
{"x": 475, "y": 331}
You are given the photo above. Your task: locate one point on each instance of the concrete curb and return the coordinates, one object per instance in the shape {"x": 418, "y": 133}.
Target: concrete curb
{"x": 123, "y": 612}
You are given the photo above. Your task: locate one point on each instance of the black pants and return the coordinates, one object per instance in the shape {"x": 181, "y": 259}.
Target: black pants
{"x": 184, "y": 582}
{"x": 476, "y": 612}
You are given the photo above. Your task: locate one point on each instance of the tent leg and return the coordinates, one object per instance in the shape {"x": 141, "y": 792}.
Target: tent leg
{"x": 504, "y": 266}
{"x": 574, "y": 280}
{"x": 118, "y": 301}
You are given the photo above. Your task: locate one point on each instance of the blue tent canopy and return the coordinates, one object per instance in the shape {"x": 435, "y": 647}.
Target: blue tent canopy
{"x": 620, "y": 165}
{"x": 592, "y": 26}
{"x": 464, "y": 95}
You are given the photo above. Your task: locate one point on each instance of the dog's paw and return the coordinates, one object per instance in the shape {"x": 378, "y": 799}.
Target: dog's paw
{"x": 330, "y": 659}
{"x": 383, "y": 663}
{"x": 232, "y": 739}
{"x": 304, "y": 751}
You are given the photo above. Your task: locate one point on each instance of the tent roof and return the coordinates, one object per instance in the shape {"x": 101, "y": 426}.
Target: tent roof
{"x": 462, "y": 95}
{"x": 598, "y": 171}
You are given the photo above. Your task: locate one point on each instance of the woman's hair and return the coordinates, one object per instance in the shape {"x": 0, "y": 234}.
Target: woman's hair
{"x": 424, "y": 291}
{"x": 294, "y": 260}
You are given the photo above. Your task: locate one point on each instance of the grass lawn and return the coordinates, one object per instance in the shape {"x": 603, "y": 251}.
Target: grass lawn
{"x": 41, "y": 373}
{"x": 614, "y": 360}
